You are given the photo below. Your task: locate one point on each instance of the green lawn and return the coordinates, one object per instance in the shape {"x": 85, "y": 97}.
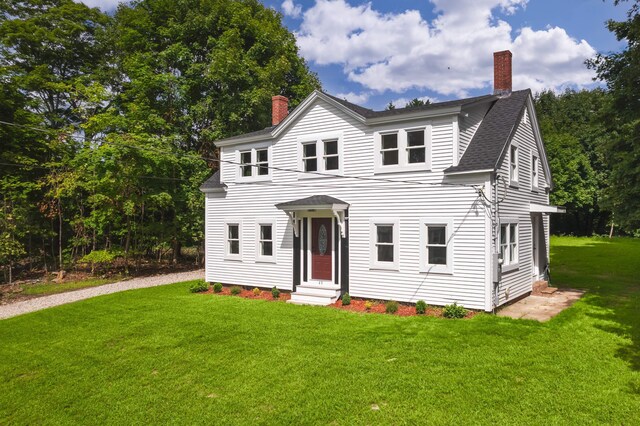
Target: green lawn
{"x": 163, "y": 355}
{"x": 53, "y": 288}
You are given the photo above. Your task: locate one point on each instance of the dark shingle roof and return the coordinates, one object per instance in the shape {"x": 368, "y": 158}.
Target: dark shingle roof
{"x": 314, "y": 200}
{"x": 213, "y": 182}
{"x": 265, "y": 131}
{"x": 494, "y": 133}
{"x": 369, "y": 113}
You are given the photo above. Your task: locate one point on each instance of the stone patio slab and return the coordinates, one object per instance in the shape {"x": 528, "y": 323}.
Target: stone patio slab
{"x": 541, "y": 308}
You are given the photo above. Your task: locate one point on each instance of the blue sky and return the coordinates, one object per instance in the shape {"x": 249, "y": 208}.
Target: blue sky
{"x": 379, "y": 51}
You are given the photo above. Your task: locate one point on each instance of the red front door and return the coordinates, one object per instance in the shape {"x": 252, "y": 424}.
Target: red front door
{"x": 321, "y": 249}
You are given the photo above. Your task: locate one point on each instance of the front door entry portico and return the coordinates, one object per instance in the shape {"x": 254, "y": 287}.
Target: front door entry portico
{"x": 321, "y": 249}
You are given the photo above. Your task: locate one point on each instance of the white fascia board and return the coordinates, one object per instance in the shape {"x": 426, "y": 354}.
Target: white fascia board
{"x": 242, "y": 140}
{"x": 543, "y": 208}
{"x": 334, "y": 207}
{"x": 468, "y": 172}
{"x": 539, "y": 141}
{"x": 213, "y": 190}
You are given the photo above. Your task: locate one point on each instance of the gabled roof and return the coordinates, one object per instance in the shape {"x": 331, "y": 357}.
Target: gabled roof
{"x": 486, "y": 149}
{"x": 311, "y": 202}
{"x": 213, "y": 184}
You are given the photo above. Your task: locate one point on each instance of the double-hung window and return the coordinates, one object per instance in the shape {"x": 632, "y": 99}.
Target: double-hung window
{"x": 535, "y": 165}
{"x": 310, "y": 157}
{"x": 509, "y": 245}
{"x": 266, "y": 247}
{"x": 416, "y": 150}
{"x": 513, "y": 164}
{"x": 436, "y": 252}
{"x": 233, "y": 241}
{"x": 389, "y": 149}
{"x": 384, "y": 243}
{"x": 320, "y": 154}
{"x": 331, "y": 156}
{"x": 403, "y": 149}
{"x": 254, "y": 164}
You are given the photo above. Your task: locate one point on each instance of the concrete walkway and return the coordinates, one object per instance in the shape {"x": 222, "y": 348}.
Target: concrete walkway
{"x": 32, "y": 305}
{"x": 541, "y": 308}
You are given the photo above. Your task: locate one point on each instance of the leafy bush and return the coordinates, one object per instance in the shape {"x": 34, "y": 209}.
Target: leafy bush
{"x": 454, "y": 311}
{"x": 235, "y": 290}
{"x": 256, "y": 291}
{"x": 100, "y": 258}
{"x": 391, "y": 307}
{"x": 275, "y": 293}
{"x": 421, "y": 307}
{"x": 199, "y": 286}
{"x": 368, "y": 305}
{"x": 217, "y": 288}
{"x": 346, "y": 299}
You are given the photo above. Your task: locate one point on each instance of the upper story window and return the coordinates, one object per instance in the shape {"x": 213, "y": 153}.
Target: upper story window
{"x": 321, "y": 154}
{"x": 403, "y": 149}
{"x": 389, "y": 149}
{"x": 535, "y": 165}
{"x": 254, "y": 163}
{"x": 513, "y": 164}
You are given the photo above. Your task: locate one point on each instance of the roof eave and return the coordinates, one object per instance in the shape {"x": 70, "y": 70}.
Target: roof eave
{"x": 467, "y": 172}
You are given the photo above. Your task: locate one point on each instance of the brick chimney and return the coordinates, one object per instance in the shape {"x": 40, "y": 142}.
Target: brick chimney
{"x": 279, "y": 109}
{"x": 502, "y": 72}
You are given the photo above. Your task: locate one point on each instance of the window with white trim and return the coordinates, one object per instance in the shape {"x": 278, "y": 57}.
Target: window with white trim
{"x": 513, "y": 164}
{"x": 436, "y": 240}
{"x": 254, "y": 164}
{"x": 384, "y": 243}
{"x": 320, "y": 153}
{"x": 233, "y": 241}
{"x": 509, "y": 245}
{"x": 310, "y": 157}
{"x": 403, "y": 149}
{"x": 389, "y": 149}
{"x": 535, "y": 165}
{"x": 265, "y": 249}
{"x": 331, "y": 155}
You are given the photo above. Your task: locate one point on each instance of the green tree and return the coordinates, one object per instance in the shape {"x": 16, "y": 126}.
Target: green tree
{"x": 417, "y": 102}
{"x": 621, "y": 72}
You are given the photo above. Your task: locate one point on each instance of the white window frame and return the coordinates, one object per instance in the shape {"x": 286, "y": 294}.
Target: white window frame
{"x": 319, "y": 140}
{"x": 514, "y": 166}
{"x": 535, "y": 172}
{"x": 259, "y": 256}
{"x": 373, "y": 256}
{"x": 254, "y": 162}
{"x": 436, "y": 221}
{"x": 403, "y": 149}
{"x": 510, "y": 263}
{"x": 227, "y": 254}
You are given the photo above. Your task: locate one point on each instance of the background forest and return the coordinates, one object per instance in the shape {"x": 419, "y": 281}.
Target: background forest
{"x": 108, "y": 126}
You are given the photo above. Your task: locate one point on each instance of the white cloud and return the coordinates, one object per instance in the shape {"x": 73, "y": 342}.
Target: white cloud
{"x": 289, "y": 8}
{"x": 354, "y": 98}
{"x": 450, "y": 55}
{"x": 102, "y": 4}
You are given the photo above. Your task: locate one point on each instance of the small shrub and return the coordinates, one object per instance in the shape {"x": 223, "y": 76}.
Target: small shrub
{"x": 217, "y": 288}
{"x": 235, "y": 290}
{"x": 199, "y": 286}
{"x": 346, "y": 299}
{"x": 391, "y": 307}
{"x": 421, "y": 307}
{"x": 454, "y": 311}
{"x": 368, "y": 305}
{"x": 275, "y": 293}
{"x": 256, "y": 291}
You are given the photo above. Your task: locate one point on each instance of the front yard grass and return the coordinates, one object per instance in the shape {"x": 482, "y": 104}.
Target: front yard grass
{"x": 163, "y": 355}
{"x": 42, "y": 289}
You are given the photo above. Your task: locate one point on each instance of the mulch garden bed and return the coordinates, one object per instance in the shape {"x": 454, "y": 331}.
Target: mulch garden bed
{"x": 356, "y": 305}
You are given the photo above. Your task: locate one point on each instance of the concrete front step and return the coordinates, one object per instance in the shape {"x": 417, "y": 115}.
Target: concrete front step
{"x": 305, "y": 290}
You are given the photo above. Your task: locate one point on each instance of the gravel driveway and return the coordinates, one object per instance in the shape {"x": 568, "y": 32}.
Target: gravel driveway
{"x": 15, "y": 309}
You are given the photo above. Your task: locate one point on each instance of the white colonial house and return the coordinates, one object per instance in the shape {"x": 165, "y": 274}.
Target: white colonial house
{"x": 447, "y": 202}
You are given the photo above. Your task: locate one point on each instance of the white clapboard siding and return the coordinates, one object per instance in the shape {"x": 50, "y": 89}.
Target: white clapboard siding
{"x": 516, "y": 205}
{"x": 407, "y": 202}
